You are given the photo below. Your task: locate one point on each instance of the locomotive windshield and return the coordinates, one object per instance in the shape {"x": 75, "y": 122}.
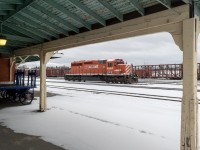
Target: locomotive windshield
{"x": 102, "y": 61}
{"x": 119, "y": 61}
{"x": 76, "y": 64}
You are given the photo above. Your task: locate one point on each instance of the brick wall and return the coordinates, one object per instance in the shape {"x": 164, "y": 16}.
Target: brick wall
{"x": 5, "y": 70}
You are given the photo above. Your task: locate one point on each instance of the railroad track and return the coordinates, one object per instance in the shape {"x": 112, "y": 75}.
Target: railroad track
{"x": 141, "y": 82}
{"x": 117, "y": 85}
{"x": 130, "y": 94}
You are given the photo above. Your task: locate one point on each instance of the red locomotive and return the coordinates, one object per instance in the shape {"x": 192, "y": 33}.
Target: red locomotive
{"x": 110, "y": 70}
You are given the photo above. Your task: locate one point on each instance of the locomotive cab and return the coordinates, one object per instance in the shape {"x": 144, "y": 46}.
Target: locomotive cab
{"x": 117, "y": 66}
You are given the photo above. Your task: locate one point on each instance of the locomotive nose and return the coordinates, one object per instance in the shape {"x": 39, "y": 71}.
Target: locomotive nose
{"x": 128, "y": 69}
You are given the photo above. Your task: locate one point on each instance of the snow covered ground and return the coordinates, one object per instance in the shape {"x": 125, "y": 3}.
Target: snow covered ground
{"x": 78, "y": 120}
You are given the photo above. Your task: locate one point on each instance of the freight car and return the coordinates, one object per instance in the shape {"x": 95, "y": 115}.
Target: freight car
{"x": 110, "y": 70}
{"x": 52, "y": 71}
{"x": 56, "y": 71}
{"x": 165, "y": 71}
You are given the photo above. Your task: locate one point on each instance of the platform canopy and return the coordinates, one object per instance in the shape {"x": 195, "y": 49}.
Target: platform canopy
{"x": 31, "y": 22}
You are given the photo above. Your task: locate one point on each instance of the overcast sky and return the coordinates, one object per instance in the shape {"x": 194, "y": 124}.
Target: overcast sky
{"x": 149, "y": 49}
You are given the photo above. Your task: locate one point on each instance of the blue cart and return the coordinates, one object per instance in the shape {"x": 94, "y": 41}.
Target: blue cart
{"x": 19, "y": 92}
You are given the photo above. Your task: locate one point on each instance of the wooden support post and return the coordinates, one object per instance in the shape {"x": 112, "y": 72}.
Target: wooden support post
{"x": 187, "y": 42}
{"x": 12, "y": 62}
{"x": 44, "y": 58}
{"x": 42, "y": 82}
{"x": 189, "y": 115}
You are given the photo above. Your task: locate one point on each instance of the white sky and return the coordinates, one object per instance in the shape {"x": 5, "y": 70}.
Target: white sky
{"x": 149, "y": 49}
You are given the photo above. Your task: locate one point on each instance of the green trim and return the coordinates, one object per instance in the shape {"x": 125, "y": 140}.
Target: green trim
{"x": 137, "y": 6}
{"x": 18, "y": 9}
{"x": 68, "y": 13}
{"x": 79, "y": 5}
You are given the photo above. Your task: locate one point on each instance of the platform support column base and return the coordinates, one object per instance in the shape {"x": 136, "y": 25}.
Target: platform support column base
{"x": 44, "y": 58}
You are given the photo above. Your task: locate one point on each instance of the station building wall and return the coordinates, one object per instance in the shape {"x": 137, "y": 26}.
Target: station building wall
{"x": 5, "y": 70}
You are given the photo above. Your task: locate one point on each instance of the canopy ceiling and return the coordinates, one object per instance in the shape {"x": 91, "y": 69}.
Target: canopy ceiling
{"x": 30, "y": 22}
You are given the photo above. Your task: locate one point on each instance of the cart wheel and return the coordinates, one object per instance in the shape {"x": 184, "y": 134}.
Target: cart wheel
{"x": 3, "y": 94}
{"x": 11, "y": 97}
{"x": 26, "y": 98}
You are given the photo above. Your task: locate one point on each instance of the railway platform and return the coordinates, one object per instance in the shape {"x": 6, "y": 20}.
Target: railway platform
{"x": 10, "y": 140}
